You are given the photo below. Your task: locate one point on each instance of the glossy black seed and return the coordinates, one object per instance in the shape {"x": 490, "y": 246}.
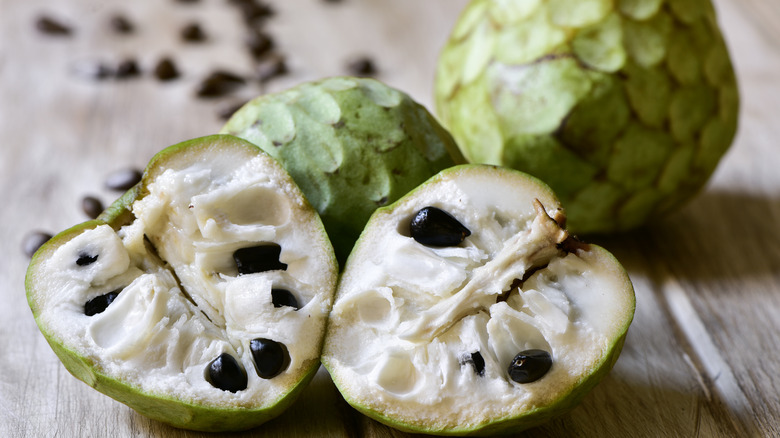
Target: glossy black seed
{"x": 193, "y": 33}
{"x": 361, "y": 66}
{"x": 52, "y": 26}
{"x": 283, "y": 297}
{"x": 259, "y": 259}
{"x": 122, "y": 179}
{"x": 121, "y": 24}
{"x": 166, "y": 70}
{"x": 476, "y": 360}
{"x": 127, "y": 68}
{"x": 219, "y": 83}
{"x": 85, "y": 259}
{"x": 226, "y": 373}
{"x": 92, "y": 206}
{"x": 435, "y": 227}
{"x": 272, "y": 66}
{"x": 34, "y": 240}
{"x": 271, "y": 357}
{"x": 99, "y": 304}
{"x": 529, "y": 366}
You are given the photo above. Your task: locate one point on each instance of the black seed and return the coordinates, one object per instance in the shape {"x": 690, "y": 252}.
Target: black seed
{"x": 219, "y": 83}
{"x": 435, "y": 227}
{"x": 362, "y": 66}
{"x": 127, "y": 68}
{"x": 193, "y": 33}
{"x": 121, "y": 24}
{"x": 259, "y": 44}
{"x": 92, "y": 206}
{"x": 272, "y": 66}
{"x": 99, "y": 304}
{"x": 271, "y": 357}
{"x": 86, "y": 259}
{"x": 226, "y": 374}
{"x": 123, "y": 179}
{"x": 476, "y": 360}
{"x": 259, "y": 259}
{"x": 34, "y": 240}
{"x": 52, "y": 26}
{"x": 166, "y": 70}
{"x": 529, "y": 366}
{"x": 283, "y": 297}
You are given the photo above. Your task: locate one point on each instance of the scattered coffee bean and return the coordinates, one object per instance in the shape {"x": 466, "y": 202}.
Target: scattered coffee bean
{"x": 52, "y": 26}
{"x": 361, "y": 66}
{"x": 34, "y": 240}
{"x": 121, "y": 24}
{"x": 283, "y": 297}
{"x": 123, "y": 179}
{"x": 435, "y": 227}
{"x": 529, "y": 366}
{"x": 476, "y": 360}
{"x": 100, "y": 304}
{"x": 271, "y": 357}
{"x": 226, "y": 112}
{"x": 127, "y": 68}
{"x": 85, "y": 259}
{"x": 272, "y": 66}
{"x": 260, "y": 258}
{"x": 193, "y": 33}
{"x": 92, "y": 206}
{"x": 166, "y": 70}
{"x": 226, "y": 373}
{"x": 259, "y": 43}
{"x": 219, "y": 83}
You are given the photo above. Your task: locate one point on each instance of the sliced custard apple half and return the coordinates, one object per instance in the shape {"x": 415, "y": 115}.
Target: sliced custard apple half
{"x": 623, "y": 107}
{"x": 200, "y": 297}
{"x": 351, "y": 144}
{"x": 466, "y": 308}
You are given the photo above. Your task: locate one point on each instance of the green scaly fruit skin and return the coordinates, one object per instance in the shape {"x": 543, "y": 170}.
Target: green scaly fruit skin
{"x": 625, "y": 108}
{"x": 542, "y": 414}
{"x": 351, "y": 145}
{"x": 158, "y": 407}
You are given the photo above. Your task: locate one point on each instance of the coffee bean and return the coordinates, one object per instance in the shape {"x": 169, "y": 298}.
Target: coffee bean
{"x": 529, "y": 366}
{"x": 193, "y": 33}
{"x": 226, "y": 373}
{"x": 34, "y": 240}
{"x": 166, "y": 70}
{"x": 121, "y": 24}
{"x": 92, "y": 206}
{"x": 127, "y": 68}
{"x": 123, "y": 179}
{"x": 259, "y": 258}
{"x": 271, "y": 357}
{"x": 361, "y": 66}
{"x": 272, "y": 66}
{"x": 219, "y": 83}
{"x": 51, "y": 26}
{"x": 435, "y": 227}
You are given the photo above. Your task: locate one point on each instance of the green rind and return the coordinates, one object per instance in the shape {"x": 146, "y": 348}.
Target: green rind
{"x": 351, "y": 144}
{"x": 175, "y": 412}
{"x": 524, "y": 420}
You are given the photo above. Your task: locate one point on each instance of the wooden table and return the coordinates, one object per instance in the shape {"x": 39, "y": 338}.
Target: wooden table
{"x": 701, "y": 359}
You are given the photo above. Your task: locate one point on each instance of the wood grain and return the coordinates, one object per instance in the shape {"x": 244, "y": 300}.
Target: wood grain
{"x": 701, "y": 359}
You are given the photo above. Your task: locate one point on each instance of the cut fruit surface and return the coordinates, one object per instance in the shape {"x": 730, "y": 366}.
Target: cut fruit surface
{"x": 496, "y": 331}
{"x": 169, "y": 301}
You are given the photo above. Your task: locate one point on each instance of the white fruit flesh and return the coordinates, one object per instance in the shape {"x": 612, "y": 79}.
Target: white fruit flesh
{"x": 182, "y": 302}
{"x": 407, "y": 315}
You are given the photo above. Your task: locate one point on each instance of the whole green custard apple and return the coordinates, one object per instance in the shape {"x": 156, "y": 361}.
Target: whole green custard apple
{"x": 351, "y": 144}
{"x": 200, "y": 297}
{"x": 624, "y": 107}
{"x": 466, "y": 309}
